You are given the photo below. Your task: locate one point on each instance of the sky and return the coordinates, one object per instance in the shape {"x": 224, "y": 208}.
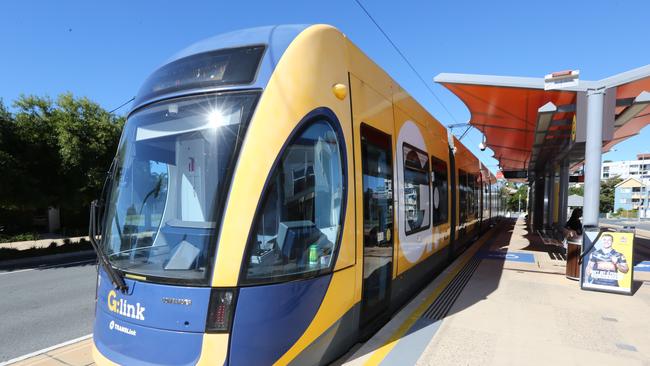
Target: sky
{"x": 105, "y": 50}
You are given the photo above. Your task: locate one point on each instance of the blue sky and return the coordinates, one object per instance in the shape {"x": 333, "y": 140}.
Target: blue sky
{"x": 104, "y": 50}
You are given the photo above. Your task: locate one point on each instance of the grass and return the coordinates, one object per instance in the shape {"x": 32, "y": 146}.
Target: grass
{"x": 19, "y": 237}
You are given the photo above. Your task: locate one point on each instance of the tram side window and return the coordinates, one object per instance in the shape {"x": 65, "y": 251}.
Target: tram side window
{"x": 477, "y": 194}
{"x": 463, "y": 196}
{"x": 416, "y": 189}
{"x": 300, "y": 219}
{"x": 474, "y": 194}
{"x": 440, "y": 203}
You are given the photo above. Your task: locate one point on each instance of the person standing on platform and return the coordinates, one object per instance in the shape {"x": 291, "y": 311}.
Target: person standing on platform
{"x": 574, "y": 225}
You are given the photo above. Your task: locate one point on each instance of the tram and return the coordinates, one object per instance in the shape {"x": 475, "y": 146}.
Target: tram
{"x": 274, "y": 198}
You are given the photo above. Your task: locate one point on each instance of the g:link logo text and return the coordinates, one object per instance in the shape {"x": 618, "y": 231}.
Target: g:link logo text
{"x": 122, "y": 307}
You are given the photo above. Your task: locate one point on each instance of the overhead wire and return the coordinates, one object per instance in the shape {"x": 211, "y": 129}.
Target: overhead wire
{"x": 407, "y": 61}
{"x": 122, "y": 105}
{"x": 465, "y": 133}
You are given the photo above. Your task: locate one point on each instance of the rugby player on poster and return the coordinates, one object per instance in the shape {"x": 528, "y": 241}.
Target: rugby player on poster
{"x": 605, "y": 263}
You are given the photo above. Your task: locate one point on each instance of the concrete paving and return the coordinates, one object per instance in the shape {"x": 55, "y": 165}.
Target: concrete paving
{"x": 644, "y": 224}
{"x": 518, "y": 312}
{"x": 76, "y": 354}
{"x": 42, "y": 243}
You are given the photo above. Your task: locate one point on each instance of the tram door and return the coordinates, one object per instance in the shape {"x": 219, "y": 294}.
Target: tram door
{"x": 378, "y": 229}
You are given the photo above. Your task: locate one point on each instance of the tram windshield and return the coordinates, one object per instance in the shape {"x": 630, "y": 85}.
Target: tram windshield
{"x": 168, "y": 182}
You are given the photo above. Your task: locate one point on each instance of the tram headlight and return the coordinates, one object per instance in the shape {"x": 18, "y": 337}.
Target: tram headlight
{"x": 221, "y": 310}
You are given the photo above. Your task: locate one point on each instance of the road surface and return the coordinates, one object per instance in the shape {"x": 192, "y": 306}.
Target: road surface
{"x": 45, "y": 306}
{"x": 643, "y": 224}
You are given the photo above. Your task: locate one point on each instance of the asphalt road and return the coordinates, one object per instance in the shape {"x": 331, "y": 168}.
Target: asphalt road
{"x": 45, "y": 306}
{"x": 643, "y": 224}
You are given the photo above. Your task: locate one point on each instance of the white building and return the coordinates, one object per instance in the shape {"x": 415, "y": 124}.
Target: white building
{"x": 638, "y": 169}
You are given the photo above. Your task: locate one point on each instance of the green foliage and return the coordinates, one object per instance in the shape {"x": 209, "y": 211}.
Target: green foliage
{"x": 55, "y": 153}
{"x": 628, "y": 214}
{"x": 607, "y": 193}
{"x": 518, "y": 199}
{"x": 19, "y": 237}
{"x": 579, "y": 190}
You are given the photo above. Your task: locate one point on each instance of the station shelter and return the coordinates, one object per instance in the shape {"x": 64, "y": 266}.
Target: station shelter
{"x": 542, "y": 129}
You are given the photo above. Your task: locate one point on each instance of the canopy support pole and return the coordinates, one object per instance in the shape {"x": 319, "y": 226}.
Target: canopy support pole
{"x": 550, "y": 195}
{"x": 564, "y": 193}
{"x": 538, "y": 202}
{"x": 593, "y": 151}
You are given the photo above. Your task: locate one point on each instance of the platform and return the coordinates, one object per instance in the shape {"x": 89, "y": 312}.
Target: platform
{"x": 505, "y": 301}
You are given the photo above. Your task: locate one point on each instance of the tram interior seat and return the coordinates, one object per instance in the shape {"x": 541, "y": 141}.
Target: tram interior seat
{"x": 292, "y": 243}
{"x": 183, "y": 257}
{"x": 185, "y": 240}
{"x": 294, "y": 238}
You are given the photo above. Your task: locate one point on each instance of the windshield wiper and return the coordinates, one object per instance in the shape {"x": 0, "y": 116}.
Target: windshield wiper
{"x": 113, "y": 274}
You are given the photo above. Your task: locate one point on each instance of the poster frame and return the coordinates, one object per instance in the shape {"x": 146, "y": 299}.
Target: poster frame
{"x": 589, "y": 247}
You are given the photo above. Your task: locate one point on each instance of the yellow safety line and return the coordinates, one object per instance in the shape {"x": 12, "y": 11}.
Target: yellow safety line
{"x": 381, "y": 353}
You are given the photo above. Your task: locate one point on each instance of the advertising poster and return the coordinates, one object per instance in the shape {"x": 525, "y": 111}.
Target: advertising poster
{"x": 608, "y": 264}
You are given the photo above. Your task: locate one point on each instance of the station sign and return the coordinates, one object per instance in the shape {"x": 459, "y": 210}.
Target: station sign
{"x": 576, "y": 179}
{"x": 515, "y": 174}
{"x": 561, "y": 79}
{"x": 607, "y": 262}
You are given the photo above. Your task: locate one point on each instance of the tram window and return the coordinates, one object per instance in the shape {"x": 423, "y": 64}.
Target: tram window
{"x": 377, "y": 189}
{"x": 463, "y": 196}
{"x": 300, "y": 219}
{"x": 416, "y": 189}
{"x": 221, "y": 67}
{"x": 474, "y": 194}
{"x": 439, "y": 211}
{"x": 170, "y": 170}
{"x": 477, "y": 193}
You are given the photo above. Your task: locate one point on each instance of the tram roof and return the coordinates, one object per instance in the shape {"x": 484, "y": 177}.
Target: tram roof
{"x": 277, "y": 37}
{"x": 527, "y": 126}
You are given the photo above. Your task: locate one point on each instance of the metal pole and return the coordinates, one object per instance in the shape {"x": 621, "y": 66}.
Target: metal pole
{"x": 638, "y": 214}
{"x": 564, "y": 192}
{"x": 593, "y": 151}
{"x": 550, "y": 188}
{"x": 647, "y": 197}
{"x": 647, "y": 192}
{"x": 544, "y": 208}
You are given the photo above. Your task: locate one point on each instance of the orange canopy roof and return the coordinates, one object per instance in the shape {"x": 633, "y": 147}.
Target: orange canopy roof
{"x": 505, "y": 110}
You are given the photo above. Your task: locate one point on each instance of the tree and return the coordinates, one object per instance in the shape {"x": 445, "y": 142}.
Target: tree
{"x": 87, "y": 138}
{"x": 518, "y": 199}
{"x": 577, "y": 189}
{"x": 607, "y": 194}
{"x": 8, "y": 165}
{"x": 55, "y": 154}
{"x": 36, "y": 152}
